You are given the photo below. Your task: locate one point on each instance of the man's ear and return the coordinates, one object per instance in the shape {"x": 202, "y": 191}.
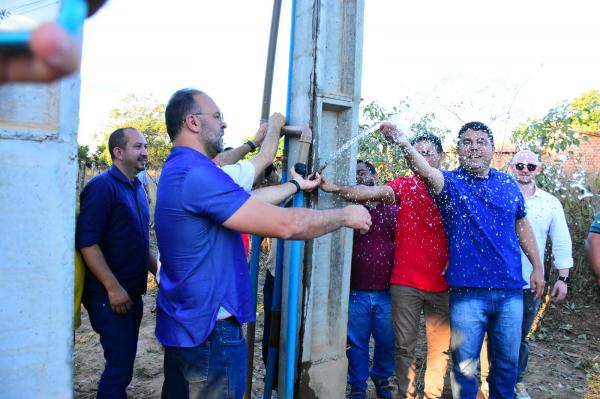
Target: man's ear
{"x": 192, "y": 124}
{"x": 118, "y": 153}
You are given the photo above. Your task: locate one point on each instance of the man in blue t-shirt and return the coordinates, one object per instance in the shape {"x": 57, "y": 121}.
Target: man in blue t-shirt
{"x": 113, "y": 238}
{"x": 204, "y": 294}
{"x": 484, "y": 216}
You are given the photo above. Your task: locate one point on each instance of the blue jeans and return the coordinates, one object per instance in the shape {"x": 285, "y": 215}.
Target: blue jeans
{"x": 530, "y": 309}
{"x": 473, "y": 312}
{"x": 215, "y": 369}
{"x": 118, "y": 337}
{"x": 369, "y": 312}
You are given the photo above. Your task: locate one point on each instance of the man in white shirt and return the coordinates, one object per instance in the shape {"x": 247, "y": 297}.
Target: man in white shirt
{"x": 546, "y": 215}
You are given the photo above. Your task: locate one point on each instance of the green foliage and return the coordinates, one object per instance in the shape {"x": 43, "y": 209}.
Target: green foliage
{"x": 83, "y": 155}
{"x": 101, "y": 157}
{"x": 579, "y": 207}
{"x": 557, "y": 131}
{"x": 387, "y": 158}
{"x": 587, "y": 107}
{"x": 145, "y": 114}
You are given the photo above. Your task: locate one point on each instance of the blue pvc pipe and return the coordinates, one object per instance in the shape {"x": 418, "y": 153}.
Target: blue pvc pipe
{"x": 273, "y": 352}
{"x": 292, "y": 308}
{"x": 295, "y": 250}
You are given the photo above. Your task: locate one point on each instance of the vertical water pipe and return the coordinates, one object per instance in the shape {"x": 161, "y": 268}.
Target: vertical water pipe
{"x": 295, "y": 250}
{"x": 256, "y": 240}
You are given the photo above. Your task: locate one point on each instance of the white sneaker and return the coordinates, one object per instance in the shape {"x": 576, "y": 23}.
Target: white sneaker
{"x": 521, "y": 391}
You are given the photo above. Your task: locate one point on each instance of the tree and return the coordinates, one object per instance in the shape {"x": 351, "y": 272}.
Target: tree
{"x": 145, "y": 114}
{"x": 559, "y": 129}
{"x": 83, "y": 155}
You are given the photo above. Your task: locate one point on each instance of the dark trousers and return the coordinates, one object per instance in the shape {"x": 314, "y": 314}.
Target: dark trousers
{"x": 530, "y": 309}
{"x": 267, "y": 302}
{"x": 118, "y": 337}
{"x": 215, "y": 369}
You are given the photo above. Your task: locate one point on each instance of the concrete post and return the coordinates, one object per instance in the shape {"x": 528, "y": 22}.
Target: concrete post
{"x": 38, "y": 171}
{"x": 325, "y": 96}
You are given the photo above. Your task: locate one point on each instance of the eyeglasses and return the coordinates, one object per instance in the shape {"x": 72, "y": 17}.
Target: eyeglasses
{"x": 217, "y": 115}
{"x": 530, "y": 166}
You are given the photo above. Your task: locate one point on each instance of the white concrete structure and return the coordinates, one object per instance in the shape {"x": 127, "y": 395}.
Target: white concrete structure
{"x": 38, "y": 170}
{"x": 325, "y": 96}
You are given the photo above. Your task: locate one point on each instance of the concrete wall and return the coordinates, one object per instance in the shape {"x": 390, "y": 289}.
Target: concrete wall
{"x": 326, "y": 96}
{"x": 38, "y": 169}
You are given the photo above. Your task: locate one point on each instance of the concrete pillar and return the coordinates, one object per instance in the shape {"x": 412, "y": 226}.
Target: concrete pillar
{"x": 326, "y": 96}
{"x": 38, "y": 170}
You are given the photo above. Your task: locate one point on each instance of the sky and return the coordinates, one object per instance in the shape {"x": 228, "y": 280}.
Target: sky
{"x": 497, "y": 62}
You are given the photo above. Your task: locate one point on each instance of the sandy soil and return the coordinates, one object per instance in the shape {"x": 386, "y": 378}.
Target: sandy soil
{"x": 564, "y": 361}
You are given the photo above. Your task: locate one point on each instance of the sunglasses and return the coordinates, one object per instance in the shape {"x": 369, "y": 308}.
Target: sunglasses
{"x": 530, "y": 166}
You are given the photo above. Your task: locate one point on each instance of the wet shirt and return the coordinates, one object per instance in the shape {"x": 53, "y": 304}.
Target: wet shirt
{"x": 421, "y": 250}
{"x": 479, "y": 214}
{"x": 114, "y": 214}
{"x": 373, "y": 252}
{"x": 204, "y": 266}
{"x": 595, "y": 227}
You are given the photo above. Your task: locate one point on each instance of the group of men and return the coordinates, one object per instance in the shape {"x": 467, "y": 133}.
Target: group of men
{"x": 204, "y": 293}
{"x": 456, "y": 245}
{"x": 463, "y": 253}
{"x": 453, "y": 244}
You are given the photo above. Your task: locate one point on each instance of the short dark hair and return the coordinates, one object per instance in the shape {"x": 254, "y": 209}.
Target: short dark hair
{"x": 432, "y": 138}
{"x": 181, "y": 103}
{"x": 369, "y": 166}
{"x": 117, "y": 139}
{"x": 476, "y": 126}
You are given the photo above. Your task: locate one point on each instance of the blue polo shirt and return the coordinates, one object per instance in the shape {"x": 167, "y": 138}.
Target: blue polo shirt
{"x": 479, "y": 216}
{"x": 114, "y": 213}
{"x": 204, "y": 265}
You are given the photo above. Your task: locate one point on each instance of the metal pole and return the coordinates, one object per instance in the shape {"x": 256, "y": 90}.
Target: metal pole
{"x": 266, "y": 105}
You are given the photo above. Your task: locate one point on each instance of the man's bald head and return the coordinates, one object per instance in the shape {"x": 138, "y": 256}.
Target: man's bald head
{"x": 526, "y": 156}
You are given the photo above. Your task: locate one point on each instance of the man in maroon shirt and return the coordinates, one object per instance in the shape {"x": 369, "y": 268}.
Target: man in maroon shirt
{"x": 370, "y": 307}
{"x": 417, "y": 281}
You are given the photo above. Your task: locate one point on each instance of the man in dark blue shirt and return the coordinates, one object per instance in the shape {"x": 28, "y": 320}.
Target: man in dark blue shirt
{"x": 113, "y": 237}
{"x": 484, "y": 216}
{"x": 204, "y": 294}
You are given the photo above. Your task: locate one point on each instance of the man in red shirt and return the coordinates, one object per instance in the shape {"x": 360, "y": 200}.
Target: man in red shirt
{"x": 417, "y": 280}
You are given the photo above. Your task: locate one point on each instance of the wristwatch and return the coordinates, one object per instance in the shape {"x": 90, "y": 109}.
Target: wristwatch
{"x": 564, "y": 279}
{"x": 251, "y": 145}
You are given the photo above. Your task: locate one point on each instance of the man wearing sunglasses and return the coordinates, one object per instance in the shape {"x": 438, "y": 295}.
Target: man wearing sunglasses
{"x": 483, "y": 213}
{"x": 547, "y": 218}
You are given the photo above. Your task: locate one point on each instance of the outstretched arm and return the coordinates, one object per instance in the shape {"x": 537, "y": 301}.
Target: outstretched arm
{"x": 529, "y": 246}
{"x": 275, "y": 194}
{"x": 433, "y": 178}
{"x": 295, "y": 223}
{"x": 359, "y": 193}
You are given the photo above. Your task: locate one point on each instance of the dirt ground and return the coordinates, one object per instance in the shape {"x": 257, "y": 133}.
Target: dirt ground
{"x": 564, "y": 360}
